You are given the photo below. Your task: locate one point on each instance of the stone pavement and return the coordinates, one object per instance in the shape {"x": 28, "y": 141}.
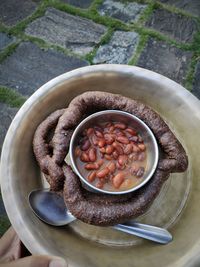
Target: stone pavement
{"x": 40, "y": 39}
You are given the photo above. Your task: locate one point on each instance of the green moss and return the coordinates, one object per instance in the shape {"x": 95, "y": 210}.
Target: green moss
{"x": 95, "y": 4}
{"x": 105, "y": 39}
{"x": 147, "y": 12}
{"x": 191, "y": 72}
{"x": 140, "y": 47}
{"x": 20, "y": 27}
{"x": 8, "y": 51}
{"x": 89, "y": 14}
{"x": 11, "y": 97}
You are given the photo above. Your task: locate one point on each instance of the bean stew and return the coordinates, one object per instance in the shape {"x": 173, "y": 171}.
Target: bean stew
{"x": 111, "y": 156}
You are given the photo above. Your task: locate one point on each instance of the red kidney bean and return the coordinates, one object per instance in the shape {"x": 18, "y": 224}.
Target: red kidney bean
{"x": 101, "y": 143}
{"x": 118, "y": 179}
{"x": 119, "y": 133}
{"x": 92, "y": 154}
{"x": 98, "y": 134}
{"x": 134, "y": 139}
{"x": 112, "y": 167}
{"x": 92, "y": 176}
{"x": 100, "y": 162}
{"x": 142, "y": 147}
{"x": 133, "y": 169}
{"x": 118, "y": 148}
{"x": 122, "y": 139}
{"x": 115, "y": 155}
{"x": 141, "y": 156}
{"x": 103, "y": 173}
{"x": 131, "y": 131}
{"x": 109, "y": 139}
{"x": 135, "y": 148}
{"x": 109, "y": 149}
{"x": 111, "y": 129}
{"x": 90, "y": 131}
{"x": 122, "y": 159}
{"x": 85, "y": 145}
{"x": 140, "y": 172}
{"x": 92, "y": 166}
{"x": 128, "y": 149}
{"x": 120, "y": 125}
{"x": 108, "y": 157}
{"x": 102, "y": 150}
{"x": 77, "y": 152}
{"x": 84, "y": 157}
{"x": 133, "y": 156}
{"x": 120, "y": 167}
{"x": 94, "y": 140}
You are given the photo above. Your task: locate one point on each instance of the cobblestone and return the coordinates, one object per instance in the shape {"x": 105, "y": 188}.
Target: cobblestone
{"x": 165, "y": 59}
{"x": 6, "y": 115}
{"x": 191, "y": 6}
{"x": 13, "y": 11}
{"x": 75, "y": 33}
{"x": 173, "y": 25}
{"x": 29, "y": 67}
{"x": 127, "y": 12}
{"x": 5, "y": 40}
{"x": 119, "y": 50}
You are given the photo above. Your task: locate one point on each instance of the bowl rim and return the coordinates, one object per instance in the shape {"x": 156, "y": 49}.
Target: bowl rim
{"x": 126, "y": 114}
{"x": 34, "y": 242}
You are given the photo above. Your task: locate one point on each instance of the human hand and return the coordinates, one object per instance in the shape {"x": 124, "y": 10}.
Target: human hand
{"x": 12, "y": 254}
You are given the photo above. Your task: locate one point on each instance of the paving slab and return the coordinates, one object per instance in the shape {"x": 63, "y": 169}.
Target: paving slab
{"x": 13, "y": 11}
{"x": 191, "y": 6}
{"x": 165, "y": 59}
{"x": 176, "y": 26}
{"x": 6, "y": 115}
{"x": 196, "y": 84}
{"x": 78, "y": 3}
{"x": 119, "y": 50}
{"x": 75, "y": 33}
{"x": 127, "y": 12}
{"x": 29, "y": 67}
{"x": 5, "y": 40}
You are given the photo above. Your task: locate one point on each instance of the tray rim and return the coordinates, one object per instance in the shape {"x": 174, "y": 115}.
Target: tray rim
{"x": 27, "y": 237}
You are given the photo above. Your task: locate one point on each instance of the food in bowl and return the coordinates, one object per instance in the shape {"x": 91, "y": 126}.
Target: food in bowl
{"x": 111, "y": 156}
{"x": 51, "y": 145}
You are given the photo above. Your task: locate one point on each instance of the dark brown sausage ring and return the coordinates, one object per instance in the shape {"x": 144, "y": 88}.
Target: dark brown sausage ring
{"x": 105, "y": 209}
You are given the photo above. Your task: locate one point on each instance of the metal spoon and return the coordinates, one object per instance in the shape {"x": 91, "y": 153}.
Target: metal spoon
{"x": 50, "y": 208}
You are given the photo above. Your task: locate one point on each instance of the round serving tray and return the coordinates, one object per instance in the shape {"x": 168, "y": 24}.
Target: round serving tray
{"x": 176, "y": 207}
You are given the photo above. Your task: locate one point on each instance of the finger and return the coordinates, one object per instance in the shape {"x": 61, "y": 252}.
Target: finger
{"x": 10, "y": 246}
{"x": 37, "y": 261}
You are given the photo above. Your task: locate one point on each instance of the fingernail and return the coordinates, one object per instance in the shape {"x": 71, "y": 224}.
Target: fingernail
{"x": 58, "y": 263}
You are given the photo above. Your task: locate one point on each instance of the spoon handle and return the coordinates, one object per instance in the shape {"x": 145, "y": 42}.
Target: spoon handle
{"x": 149, "y": 232}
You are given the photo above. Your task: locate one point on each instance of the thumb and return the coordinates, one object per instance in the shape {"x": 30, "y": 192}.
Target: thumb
{"x": 37, "y": 261}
